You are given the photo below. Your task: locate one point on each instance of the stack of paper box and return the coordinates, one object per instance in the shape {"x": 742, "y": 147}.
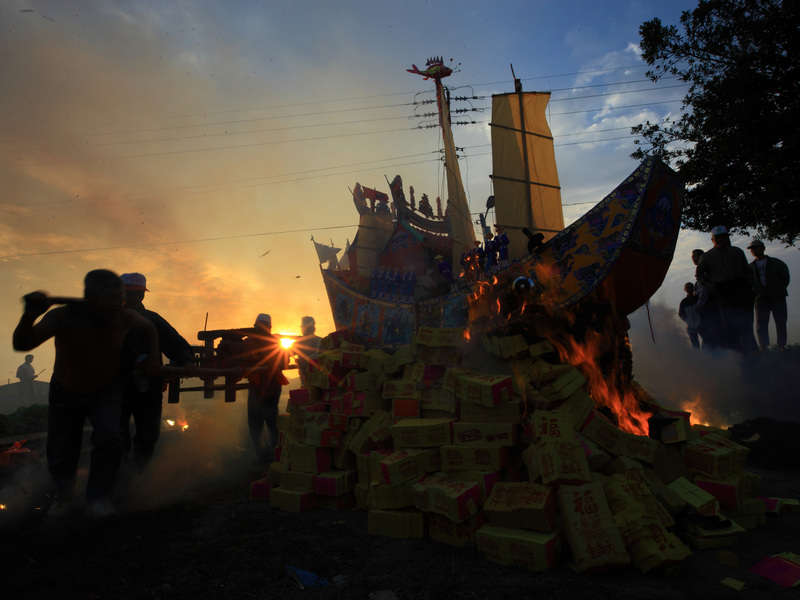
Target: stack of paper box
{"x": 494, "y": 441}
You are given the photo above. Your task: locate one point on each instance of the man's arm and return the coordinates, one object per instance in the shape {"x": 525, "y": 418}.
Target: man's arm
{"x": 783, "y": 273}
{"x": 173, "y": 345}
{"x": 29, "y": 334}
{"x": 151, "y": 365}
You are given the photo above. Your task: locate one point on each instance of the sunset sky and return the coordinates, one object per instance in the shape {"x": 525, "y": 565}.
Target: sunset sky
{"x": 203, "y": 143}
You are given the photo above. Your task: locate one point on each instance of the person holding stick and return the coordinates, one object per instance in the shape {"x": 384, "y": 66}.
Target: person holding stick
{"x": 142, "y": 396}
{"x": 26, "y": 375}
{"x": 89, "y": 336}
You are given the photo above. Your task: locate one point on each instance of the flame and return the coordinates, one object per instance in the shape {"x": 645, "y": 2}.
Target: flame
{"x": 623, "y": 403}
{"x": 182, "y": 424}
{"x": 3, "y": 507}
{"x": 585, "y": 335}
{"x": 697, "y": 413}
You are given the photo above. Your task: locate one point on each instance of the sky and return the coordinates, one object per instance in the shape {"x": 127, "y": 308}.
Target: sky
{"x": 203, "y": 143}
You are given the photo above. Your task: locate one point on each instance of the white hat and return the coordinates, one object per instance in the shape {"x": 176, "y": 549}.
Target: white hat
{"x": 134, "y": 282}
{"x": 264, "y": 319}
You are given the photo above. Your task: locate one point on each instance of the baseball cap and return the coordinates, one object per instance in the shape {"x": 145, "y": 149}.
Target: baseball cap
{"x": 307, "y": 321}
{"x": 756, "y": 244}
{"x": 134, "y": 282}
{"x": 264, "y": 319}
{"x": 719, "y": 230}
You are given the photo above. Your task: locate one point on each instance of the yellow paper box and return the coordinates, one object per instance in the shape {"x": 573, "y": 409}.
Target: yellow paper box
{"x": 443, "y": 530}
{"x": 589, "y": 528}
{"x": 456, "y": 500}
{"x": 505, "y": 412}
{"x": 484, "y": 434}
{"x": 481, "y": 458}
{"x": 404, "y": 465}
{"x": 523, "y": 505}
{"x": 422, "y": 433}
{"x": 534, "y": 550}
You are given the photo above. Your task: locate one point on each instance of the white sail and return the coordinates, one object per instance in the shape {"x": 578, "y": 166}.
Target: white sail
{"x": 526, "y": 187}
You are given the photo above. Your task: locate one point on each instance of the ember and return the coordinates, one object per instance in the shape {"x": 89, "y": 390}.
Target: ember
{"x": 698, "y": 413}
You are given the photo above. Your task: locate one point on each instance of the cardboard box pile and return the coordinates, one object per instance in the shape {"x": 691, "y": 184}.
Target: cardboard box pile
{"x": 517, "y": 460}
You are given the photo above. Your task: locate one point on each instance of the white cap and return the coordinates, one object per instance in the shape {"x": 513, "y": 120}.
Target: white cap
{"x": 134, "y": 281}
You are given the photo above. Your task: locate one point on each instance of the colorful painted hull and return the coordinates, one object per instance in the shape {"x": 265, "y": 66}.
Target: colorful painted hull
{"x": 625, "y": 243}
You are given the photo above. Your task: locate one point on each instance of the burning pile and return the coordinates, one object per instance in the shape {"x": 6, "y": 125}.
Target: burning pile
{"x": 493, "y": 441}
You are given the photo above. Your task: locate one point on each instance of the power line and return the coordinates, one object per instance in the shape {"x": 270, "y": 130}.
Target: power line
{"x": 295, "y": 176}
{"x": 300, "y": 140}
{"x": 297, "y": 115}
{"x": 335, "y": 100}
{"x": 151, "y": 244}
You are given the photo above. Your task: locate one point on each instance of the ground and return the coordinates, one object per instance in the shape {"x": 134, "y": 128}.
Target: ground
{"x": 210, "y": 541}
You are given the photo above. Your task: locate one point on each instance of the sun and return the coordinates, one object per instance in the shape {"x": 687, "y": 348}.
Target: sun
{"x": 287, "y": 342}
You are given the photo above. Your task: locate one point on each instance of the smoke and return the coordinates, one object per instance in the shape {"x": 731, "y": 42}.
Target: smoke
{"x": 202, "y": 441}
{"x": 719, "y": 388}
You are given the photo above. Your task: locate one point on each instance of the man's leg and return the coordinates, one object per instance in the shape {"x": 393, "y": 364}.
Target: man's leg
{"x": 780, "y": 314}
{"x": 147, "y": 418}
{"x": 103, "y": 410}
{"x": 762, "y": 323}
{"x": 126, "y": 411}
{"x": 65, "y": 420}
{"x": 271, "y": 419}
{"x": 255, "y": 422}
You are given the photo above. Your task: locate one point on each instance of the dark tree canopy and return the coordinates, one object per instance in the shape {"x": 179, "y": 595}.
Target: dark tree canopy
{"x": 737, "y": 142}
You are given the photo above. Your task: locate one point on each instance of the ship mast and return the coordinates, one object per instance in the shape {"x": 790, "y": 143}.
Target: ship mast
{"x": 462, "y": 231}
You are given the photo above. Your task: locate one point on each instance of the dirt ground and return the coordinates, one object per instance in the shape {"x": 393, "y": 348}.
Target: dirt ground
{"x": 210, "y": 541}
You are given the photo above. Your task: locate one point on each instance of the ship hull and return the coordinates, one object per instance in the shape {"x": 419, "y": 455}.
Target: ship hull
{"x": 623, "y": 245}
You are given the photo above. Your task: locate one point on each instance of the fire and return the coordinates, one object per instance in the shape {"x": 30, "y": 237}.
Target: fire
{"x": 697, "y": 413}
{"x": 623, "y": 403}
{"x": 590, "y": 336}
{"x": 182, "y": 424}
{"x": 3, "y": 507}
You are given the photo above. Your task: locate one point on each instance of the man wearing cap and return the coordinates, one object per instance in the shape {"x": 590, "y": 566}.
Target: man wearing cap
{"x": 770, "y": 280}
{"x": 89, "y": 339}
{"x": 267, "y": 359}
{"x": 306, "y": 349}
{"x": 725, "y": 272}
{"x": 142, "y": 396}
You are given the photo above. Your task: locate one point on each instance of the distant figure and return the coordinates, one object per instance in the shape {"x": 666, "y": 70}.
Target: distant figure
{"x": 89, "y": 336}
{"x": 142, "y": 397}
{"x": 264, "y": 353}
{"x": 710, "y": 326}
{"x": 446, "y": 272}
{"x": 689, "y": 315}
{"x": 306, "y": 349}
{"x": 26, "y": 375}
{"x": 725, "y": 272}
{"x": 770, "y": 280}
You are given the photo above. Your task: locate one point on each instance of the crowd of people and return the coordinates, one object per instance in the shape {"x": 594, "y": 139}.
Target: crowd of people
{"x": 720, "y": 305}
{"x": 108, "y": 370}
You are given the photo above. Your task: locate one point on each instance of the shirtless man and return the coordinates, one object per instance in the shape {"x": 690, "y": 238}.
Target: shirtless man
{"x": 85, "y": 384}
